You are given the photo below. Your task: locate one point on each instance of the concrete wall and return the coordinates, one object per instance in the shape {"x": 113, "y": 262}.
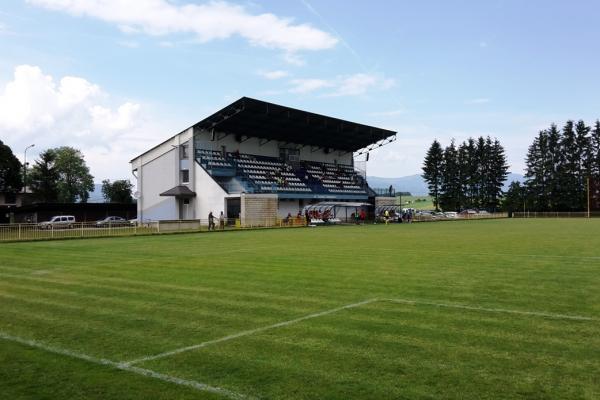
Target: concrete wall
{"x": 385, "y": 201}
{"x": 258, "y": 209}
{"x": 203, "y": 140}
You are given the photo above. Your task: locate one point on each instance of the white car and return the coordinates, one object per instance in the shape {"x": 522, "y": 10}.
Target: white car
{"x": 451, "y": 214}
{"x": 58, "y": 221}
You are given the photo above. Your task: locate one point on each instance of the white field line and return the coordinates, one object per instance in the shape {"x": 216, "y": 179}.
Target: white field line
{"x": 140, "y": 371}
{"x": 558, "y": 256}
{"x": 246, "y": 333}
{"x": 494, "y": 310}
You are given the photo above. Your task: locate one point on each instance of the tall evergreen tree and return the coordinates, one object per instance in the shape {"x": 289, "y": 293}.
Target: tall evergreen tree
{"x": 433, "y": 170}
{"x": 497, "y": 173}
{"x": 552, "y": 158}
{"x": 514, "y": 199}
{"x": 44, "y": 178}
{"x": 468, "y": 166}
{"x": 567, "y": 200}
{"x": 451, "y": 185}
{"x": 583, "y": 165}
{"x": 594, "y": 153}
{"x": 535, "y": 173}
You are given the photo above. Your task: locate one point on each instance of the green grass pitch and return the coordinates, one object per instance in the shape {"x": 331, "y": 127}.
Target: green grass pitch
{"x": 498, "y": 309}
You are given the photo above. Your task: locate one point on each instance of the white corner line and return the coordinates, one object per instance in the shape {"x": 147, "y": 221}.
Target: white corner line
{"x": 246, "y": 333}
{"x": 140, "y": 371}
{"x": 493, "y": 310}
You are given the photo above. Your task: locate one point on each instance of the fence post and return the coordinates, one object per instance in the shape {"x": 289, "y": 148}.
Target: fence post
{"x": 82, "y": 229}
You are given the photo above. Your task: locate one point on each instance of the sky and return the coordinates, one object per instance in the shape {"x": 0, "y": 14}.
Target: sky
{"x": 114, "y": 78}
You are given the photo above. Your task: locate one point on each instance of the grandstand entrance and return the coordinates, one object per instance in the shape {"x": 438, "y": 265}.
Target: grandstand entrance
{"x": 233, "y": 207}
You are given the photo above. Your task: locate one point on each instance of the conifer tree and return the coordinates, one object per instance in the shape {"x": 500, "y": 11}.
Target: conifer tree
{"x": 433, "y": 170}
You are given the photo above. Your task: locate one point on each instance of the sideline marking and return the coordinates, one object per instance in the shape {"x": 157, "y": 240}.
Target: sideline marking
{"x": 247, "y": 332}
{"x": 140, "y": 371}
{"x": 331, "y": 311}
{"x": 495, "y": 310}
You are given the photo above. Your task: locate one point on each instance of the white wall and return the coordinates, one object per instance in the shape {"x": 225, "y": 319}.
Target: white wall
{"x": 288, "y": 206}
{"x": 269, "y": 149}
{"x": 157, "y": 171}
{"x": 209, "y": 195}
{"x": 155, "y": 177}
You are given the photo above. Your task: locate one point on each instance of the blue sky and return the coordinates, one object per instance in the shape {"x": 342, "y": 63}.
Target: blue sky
{"x": 115, "y": 77}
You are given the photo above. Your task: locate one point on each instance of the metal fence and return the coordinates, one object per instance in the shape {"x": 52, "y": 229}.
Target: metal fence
{"x": 458, "y": 217}
{"x": 556, "y": 214}
{"x": 15, "y": 232}
{"x": 27, "y": 232}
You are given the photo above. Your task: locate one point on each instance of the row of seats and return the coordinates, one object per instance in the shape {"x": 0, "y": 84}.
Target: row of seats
{"x": 271, "y": 174}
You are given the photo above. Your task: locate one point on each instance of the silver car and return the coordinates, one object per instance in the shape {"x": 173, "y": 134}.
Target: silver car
{"x": 58, "y": 221}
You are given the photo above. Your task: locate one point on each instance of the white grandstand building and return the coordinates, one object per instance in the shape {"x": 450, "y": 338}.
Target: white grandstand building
{"x": 254, "y": 160}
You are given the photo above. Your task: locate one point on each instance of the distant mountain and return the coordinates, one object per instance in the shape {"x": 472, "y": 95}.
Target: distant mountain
{"x": 96, "y": 195}
{"x": 417, "y": 186}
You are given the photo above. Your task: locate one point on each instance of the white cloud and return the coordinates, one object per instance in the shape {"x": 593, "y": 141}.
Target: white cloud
{"x": 209, "y": 21}
{"x": 277, "y": 74}
{"x": 294, "y": 59}
{"x": 343, "y": 85}
{"x": 36, "y": 108}
{"x": 132, "y": 44}
{"x": 481, "y": 100}
{"x": 303, "y": 86}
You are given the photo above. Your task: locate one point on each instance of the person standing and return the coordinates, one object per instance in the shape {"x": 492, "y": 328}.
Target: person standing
{"x": 211, "y": 221}
{"x": 222, "y": 221}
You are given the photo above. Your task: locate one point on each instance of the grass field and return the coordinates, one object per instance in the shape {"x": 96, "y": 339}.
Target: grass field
{"x": 417, "y": 202}
{"x": 501, "y": 309}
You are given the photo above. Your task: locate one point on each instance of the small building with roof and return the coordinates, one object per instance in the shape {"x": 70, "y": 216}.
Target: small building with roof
{"x": 255, "y": 161}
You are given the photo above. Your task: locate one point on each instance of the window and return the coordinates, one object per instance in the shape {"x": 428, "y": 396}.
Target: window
{"x": 186, "y": 201}
{"x": 185, "y": 176}
{"x": 184, "y": 151}
{"x": 289, "y": 154}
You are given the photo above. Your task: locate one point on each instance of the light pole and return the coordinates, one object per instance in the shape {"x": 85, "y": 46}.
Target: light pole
{"x": 25, "y": 167}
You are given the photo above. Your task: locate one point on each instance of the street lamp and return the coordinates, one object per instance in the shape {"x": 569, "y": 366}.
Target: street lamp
{"x": 25, "y": 168}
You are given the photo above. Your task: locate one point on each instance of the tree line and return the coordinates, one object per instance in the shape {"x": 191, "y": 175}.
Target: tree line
{"x": 59, "y": 175}
{"x": 558, "y": 164}
{"x": 468, "y": 176}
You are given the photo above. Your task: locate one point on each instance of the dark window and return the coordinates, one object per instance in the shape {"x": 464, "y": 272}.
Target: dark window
{"x": 184, "y": 151}
{"x": 185, "y": 176}
{"x": 186, "y": 201}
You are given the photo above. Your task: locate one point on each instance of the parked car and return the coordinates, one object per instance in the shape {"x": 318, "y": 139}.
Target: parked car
{"x": 58, "y": 221}
{"x": 451, "y": 214}
{"x": 467, "y": 213}
{"x": 112, "y": 221}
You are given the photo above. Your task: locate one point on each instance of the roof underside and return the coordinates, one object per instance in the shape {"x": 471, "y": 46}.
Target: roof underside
{"x": 179, "y": 191}
{"x": 255, "y": 118}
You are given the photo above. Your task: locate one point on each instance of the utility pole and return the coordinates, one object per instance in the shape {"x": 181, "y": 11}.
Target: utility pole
{"x": 25, "y": 167}
{"x": 588, "y": 196}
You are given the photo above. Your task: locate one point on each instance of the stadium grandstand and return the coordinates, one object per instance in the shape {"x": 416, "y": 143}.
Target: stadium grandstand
{"x": 256, "y": 161}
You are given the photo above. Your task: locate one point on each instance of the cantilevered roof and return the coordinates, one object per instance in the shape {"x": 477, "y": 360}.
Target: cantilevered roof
{"x": 248, "y": 117}
{"x": 179, "y": 191}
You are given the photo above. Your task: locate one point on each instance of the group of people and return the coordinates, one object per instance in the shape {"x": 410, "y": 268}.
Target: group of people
{"x": 211, "y": 221}
{"x": 387, "y": 216}
{"x": 359, "y": 216}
